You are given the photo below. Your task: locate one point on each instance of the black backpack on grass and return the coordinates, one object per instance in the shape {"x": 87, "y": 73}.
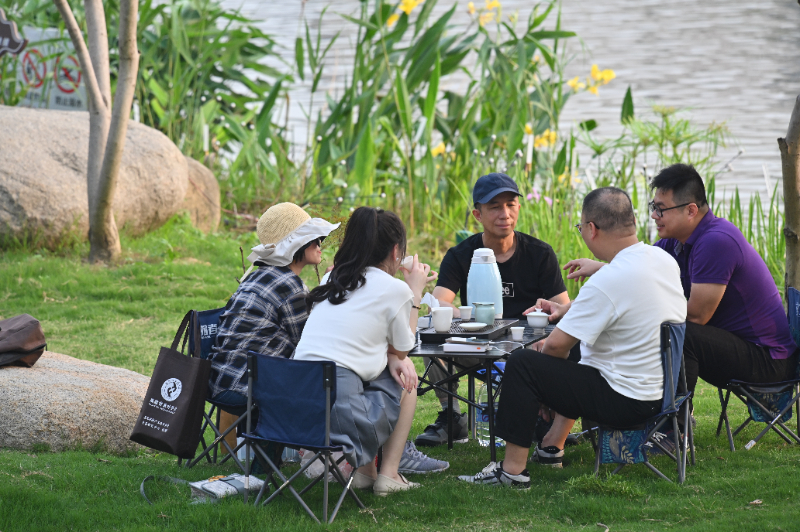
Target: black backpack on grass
{"x": 21, "y": 341}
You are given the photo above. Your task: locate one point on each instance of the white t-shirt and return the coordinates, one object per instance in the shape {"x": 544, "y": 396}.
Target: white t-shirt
{"x": 617, "y": 316}
{"x": 357, "y": 333}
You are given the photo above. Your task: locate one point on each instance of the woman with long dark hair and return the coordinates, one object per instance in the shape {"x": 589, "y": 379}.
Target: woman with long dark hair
{"x": 364, "y": 319}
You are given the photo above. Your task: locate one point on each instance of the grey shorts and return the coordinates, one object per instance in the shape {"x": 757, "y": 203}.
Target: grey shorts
{"x": 364, "y": 414}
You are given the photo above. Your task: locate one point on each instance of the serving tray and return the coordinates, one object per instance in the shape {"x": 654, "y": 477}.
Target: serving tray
{"x": 490, "y": 332}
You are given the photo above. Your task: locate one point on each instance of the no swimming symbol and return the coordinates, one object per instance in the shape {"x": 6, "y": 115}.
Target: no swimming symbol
{"x": 68, "y": 74}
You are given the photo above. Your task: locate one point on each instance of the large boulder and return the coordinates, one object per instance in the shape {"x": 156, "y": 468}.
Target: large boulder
{"x": 43, "y": 161}
{"x": 202, "y": 197}
{"x": 63, "y": 403}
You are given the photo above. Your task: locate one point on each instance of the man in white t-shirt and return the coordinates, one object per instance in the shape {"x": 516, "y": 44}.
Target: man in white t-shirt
{"x": 616, "y": 317}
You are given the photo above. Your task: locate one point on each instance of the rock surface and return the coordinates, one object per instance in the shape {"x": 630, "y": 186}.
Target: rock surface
{"x": 64, "y": 402}
{"x": 202, "y": 197}
{"x": 43, "y": 160}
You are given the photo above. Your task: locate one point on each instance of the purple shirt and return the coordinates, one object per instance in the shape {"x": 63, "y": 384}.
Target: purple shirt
{"x": 751, "y": 307}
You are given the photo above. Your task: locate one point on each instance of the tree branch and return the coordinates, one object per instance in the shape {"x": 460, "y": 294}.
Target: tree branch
{"x": 93, "y": 89}
{"x": 98, "y": 46}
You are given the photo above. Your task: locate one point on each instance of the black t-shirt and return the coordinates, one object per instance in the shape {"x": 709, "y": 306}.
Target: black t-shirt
{"x": 531, "y": 273}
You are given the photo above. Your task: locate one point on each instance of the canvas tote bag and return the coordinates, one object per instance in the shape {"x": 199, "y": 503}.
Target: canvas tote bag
{"x": 172, "y": 412}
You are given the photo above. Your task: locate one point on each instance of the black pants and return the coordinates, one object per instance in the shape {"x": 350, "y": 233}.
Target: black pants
{"x": 718, "y": 356}
{"x": 573, "y": 390}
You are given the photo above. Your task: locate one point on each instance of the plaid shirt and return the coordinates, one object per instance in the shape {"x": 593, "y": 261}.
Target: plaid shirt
{"x": 265, "y": 315}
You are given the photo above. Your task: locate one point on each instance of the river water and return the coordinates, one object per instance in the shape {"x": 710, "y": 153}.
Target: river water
{"x": 733, "y": 61}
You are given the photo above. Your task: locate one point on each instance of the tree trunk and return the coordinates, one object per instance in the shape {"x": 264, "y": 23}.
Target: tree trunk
{"x": 790, "y": 167}
{"x": 107, "y": 128}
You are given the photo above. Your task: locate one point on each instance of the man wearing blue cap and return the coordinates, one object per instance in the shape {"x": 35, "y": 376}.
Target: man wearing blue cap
{"x": 528, "y": 267}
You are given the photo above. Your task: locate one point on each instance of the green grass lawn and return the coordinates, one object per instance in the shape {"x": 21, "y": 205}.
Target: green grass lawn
{"x": 122, "y": 315}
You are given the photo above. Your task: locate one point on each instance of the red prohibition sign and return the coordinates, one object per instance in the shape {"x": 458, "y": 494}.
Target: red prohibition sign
{"x": 68, "y": 74}
{"x": 34, "y": 68}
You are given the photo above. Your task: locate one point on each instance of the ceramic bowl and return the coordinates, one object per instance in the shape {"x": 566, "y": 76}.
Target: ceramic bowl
{"x": 538, "y": 319}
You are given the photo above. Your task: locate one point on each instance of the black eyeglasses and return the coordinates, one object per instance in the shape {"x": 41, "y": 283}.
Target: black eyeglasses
{"x": 578, "y": 226}
{"x": 660, "y": 211}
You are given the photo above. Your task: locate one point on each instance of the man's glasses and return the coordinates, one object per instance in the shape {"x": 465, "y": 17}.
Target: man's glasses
{"x": 660, "y": 210}
{"x": 578, "y": 226}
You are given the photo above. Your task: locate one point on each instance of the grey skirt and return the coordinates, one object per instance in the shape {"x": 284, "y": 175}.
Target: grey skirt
{"x": 364, "y": 414}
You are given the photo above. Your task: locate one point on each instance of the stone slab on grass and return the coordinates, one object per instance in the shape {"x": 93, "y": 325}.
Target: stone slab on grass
{"x": 65, "y": 403}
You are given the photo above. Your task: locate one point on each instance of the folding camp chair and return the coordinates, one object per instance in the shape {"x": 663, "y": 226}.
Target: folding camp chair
{"x": 205, "y": 323}
{"x": 630, "y": 445}
{"x": 294, "y": 399}
{"x": 769, "y": 403}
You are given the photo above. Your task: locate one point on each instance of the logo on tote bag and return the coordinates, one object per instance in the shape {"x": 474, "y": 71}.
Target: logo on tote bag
{"x": 171, "y": 389}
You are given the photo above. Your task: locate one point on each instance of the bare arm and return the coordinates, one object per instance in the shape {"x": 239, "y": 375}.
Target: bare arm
{"x": 445, "y": 296}
{"x": 703, "y": 301}
{"x": 580, "y": 269}
{"x": 558, "y": 344}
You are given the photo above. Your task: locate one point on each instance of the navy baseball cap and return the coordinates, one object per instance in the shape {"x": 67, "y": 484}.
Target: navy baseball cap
{"x": 490, "y": 185}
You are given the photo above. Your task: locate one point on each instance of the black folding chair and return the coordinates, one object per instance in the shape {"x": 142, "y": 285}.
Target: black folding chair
{"x": 203, "y": 325}
{"x": 771, "y": 402}
{"x": 624, "y": 446}
{"x": 294, "y": 399}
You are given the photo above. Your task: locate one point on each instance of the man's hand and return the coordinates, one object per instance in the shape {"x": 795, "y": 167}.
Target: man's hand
{"x": 580, "y": 269}
{"x": 445, "y": 297}
{"x": 555, "y": 310}
{"x": 403, "y": 371}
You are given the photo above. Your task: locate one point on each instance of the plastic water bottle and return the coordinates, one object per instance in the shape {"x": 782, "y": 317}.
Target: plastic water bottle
{"x": 482, "y": 414}
{"x": 483, "y": 281}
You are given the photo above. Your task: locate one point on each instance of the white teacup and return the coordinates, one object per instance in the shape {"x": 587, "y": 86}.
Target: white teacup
{"x": 442, "y": 318}
{"x": 516, "y": 333}
{"x": 466, "y": 313}
{"x": 538, "y": 319}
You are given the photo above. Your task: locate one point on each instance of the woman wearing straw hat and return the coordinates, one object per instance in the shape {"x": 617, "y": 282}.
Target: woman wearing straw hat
{"x": 268, "y": 311}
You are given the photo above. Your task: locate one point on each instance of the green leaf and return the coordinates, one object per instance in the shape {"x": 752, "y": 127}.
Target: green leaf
{"x": 299, "y": 57}
{"x": 427, "y": 8}
{"x": 365, "y": 160}
{"x": 627, "y": 107}
{"x": 588, "y": 125}
{"x": 561, "y": 161}
{"x": 264, "y": 115}
{"x": 403, "y": 103}
{"x": 430, "y": 98}
{"x": 539, "y": 35}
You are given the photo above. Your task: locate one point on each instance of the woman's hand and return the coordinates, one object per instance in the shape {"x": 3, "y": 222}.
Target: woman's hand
{"x": 580, "y": 269}
{"x": 417, "y": 276}
{"x": 403, "y": 371}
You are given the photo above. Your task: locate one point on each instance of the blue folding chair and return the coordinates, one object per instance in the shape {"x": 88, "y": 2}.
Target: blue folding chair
{"x": 204, "y": 325}
{"x": 769, "y": 403}
{"x": 630, "y": 445}
{"x": 294, "y": 399}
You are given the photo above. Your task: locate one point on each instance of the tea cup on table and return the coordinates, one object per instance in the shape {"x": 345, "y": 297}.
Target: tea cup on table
{"x": 538, "y": 319}
{"x": 442, "y": 318}
{"x": 516, "y": 333}
{"x": 466, "y": 313}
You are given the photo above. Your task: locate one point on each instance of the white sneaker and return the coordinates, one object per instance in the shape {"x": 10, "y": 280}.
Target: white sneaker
{"x": 385, "y": 485}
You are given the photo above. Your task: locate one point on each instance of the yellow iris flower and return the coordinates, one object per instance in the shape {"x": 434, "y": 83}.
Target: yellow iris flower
{"x": 392, "y": 20}
{"x": 438, "y": 150}
{"x": 593, "y": 90}
{"x": 471, "y": 8}
{"x": 486, "y": 17}
{"x": 491, "y": 4}
{"x": 576, "y": 85}
{"x": 545, "y": 139}
{"x": 602, "y": 76}
{"x": 528, "y": 129}
{"x": 407, "y": 6}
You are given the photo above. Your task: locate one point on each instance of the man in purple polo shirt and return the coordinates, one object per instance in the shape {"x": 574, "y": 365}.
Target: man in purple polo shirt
{"x": 736, "y": 326}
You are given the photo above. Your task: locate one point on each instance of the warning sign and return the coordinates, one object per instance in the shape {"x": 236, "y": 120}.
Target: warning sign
{"x": 34, "y": 68}
{"x": 50, "y": 72}
{"x": 68, "y": 74}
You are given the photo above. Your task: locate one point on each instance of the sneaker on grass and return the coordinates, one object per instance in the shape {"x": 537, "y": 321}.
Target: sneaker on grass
{"x": 493, "y": 475}
{"x": 414, "y": 461}
{"x": 436, "y": 433}
{"x": 550, "y": 456}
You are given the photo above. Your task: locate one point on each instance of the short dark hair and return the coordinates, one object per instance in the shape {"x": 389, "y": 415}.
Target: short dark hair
{"x": 301, "y": 253}
{"x": 610, "y": 209}
{"x": 684, "y": 182}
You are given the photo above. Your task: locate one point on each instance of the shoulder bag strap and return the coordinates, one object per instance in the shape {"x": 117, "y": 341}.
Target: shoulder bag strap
{"x": 181, "y": 331}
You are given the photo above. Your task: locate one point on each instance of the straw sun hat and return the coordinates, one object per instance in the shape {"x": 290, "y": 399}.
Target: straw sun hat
{"x": 283, "y": 230}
